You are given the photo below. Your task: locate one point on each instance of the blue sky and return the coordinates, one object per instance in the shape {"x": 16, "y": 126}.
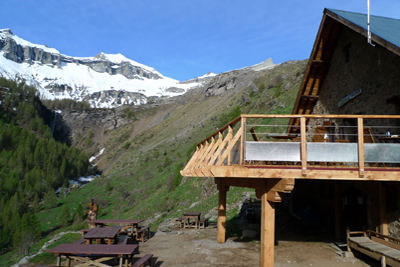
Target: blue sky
{"x": 182, "y": 39}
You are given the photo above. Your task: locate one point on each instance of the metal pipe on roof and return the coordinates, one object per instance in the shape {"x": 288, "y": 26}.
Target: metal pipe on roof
{"x": 368, "y": 24}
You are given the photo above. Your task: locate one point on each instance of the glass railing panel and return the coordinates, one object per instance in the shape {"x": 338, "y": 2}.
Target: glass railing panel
{"x": 272, "y": 151}
{"x": 380, "y": 152}
{"x": 332, "y": 152}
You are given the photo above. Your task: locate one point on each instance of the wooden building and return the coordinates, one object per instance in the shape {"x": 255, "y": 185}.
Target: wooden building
{"x": 348, "y": 163}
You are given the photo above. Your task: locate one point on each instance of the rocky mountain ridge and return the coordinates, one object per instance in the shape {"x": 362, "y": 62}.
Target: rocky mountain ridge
{"x": 103, "y": 80}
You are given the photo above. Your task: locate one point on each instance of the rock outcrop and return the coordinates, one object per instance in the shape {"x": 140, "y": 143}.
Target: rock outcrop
{"x": 105, "y": 81}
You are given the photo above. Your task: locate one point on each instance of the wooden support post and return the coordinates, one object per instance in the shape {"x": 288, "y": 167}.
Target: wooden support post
{"x": 222, "y": 189}
{"x": 382, "y": 210}
{"x": 267, "y": 231}
{"x": 242, "y": 142}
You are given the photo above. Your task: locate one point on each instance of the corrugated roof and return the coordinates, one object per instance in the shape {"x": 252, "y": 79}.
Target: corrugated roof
{"x": 386, "y": 28}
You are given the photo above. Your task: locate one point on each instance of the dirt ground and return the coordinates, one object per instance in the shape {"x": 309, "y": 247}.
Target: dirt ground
{"x": 190, "y": 247}
{"x": 295, "y": 247}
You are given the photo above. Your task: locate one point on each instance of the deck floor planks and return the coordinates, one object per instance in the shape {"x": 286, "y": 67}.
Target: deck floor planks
{"x": 367, "y": 243}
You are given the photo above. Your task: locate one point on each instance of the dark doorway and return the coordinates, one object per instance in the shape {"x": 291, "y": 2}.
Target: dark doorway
{"x": 354, "y": 209}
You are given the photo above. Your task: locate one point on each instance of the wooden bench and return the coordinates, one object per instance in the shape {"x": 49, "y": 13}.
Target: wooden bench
{"x": 375, "y": 245}
{"x": 141, "y": 233}
{"x": 179, "y": 222}
{"x": 203, "y": 223}
{"x": 80, "y": 241}
{"x": 142, "y": 261}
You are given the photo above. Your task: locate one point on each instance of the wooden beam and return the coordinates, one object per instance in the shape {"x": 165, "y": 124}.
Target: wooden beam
{"x": 214, "y": 147}
{"x": 209, "y": 148}
{"x": 267, "y": 231}
{"x": 192, "y": 159}
{"x": 242, "y": 141}
{"x": 278, "y": 185}
{"x": 230, "y": 124}
{"x": 220, "y": 148}
{"x": 228, "y": 150}
{"x": 254, "y": 134}
{"x": 323, "y": 173}
{"x": 222, "y": 189}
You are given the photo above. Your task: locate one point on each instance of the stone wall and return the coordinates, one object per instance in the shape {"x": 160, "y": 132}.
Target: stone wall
{"x": 356, "y": 64}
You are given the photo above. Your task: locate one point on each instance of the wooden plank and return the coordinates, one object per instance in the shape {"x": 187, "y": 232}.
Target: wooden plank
{"x": 200, "y": 159}
{"x": 326, "y": 173}
{"x": 220, "y": 148}
{"x": 229, "y": 148}
{"x": 360, "y": 129}
{"x": 208, "y": 151}
{"x": 194, "y": 158}
{"x": 215, "y": 146}
{"x": 93, "y": 249}
{"x": 188, "y": 165}
{"x": 274, "y": 196}
{"x": 230, "y": 124}
{"x": 267, "y": 231}
{"x": 243, "y": 140}
{"x": 386, "y": 243}
{"x": 254, "y": 135}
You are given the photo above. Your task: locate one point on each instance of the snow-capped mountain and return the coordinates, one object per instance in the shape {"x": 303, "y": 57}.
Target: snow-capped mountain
{"x": 104, "y": 80}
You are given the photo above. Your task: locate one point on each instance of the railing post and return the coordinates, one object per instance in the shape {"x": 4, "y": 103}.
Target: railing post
{"x": 303, "y": 146}
{"x": 360, "y": 132}
{"x": 242, "y": 141}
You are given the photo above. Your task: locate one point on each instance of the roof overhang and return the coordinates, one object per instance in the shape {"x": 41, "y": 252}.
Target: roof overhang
{"x": 320, "y": 58}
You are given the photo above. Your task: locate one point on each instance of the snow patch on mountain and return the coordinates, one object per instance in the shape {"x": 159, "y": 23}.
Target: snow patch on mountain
{"x": 105, "y": 80}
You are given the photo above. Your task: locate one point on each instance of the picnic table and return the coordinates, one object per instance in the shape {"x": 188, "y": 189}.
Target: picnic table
{"x": 191, "y": 215}
{"x": 94, "y": 254}
{"x": 132, "y": 224}
{"x": 102, "y": 233}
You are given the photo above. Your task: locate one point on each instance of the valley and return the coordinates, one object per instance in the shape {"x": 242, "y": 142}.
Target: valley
{"x": 145, "y": 146}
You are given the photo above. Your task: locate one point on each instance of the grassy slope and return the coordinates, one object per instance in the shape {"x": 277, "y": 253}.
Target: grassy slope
{"x": 141, "y": 184}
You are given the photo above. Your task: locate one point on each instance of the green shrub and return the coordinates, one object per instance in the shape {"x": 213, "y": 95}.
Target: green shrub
{"x": 127, "y": 145}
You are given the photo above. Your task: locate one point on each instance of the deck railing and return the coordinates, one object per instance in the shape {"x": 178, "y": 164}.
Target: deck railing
{"x": 318, "y": 141}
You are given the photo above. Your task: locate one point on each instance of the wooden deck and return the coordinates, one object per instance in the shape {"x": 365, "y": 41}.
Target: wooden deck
{"x": 249, "y": 152}
{"x": 230, "y": 152}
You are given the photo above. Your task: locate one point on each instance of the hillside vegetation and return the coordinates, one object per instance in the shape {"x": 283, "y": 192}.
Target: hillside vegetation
{"x": 32, "y": 165}
{"x": 142, "y": 159}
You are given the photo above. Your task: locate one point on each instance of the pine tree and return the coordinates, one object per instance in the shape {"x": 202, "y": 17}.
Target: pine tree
{"x": 79, "y": 214}
{"x": 65, "y": 216}
{"x": 50, "y": 199}
{"x": 36, "y": 203}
